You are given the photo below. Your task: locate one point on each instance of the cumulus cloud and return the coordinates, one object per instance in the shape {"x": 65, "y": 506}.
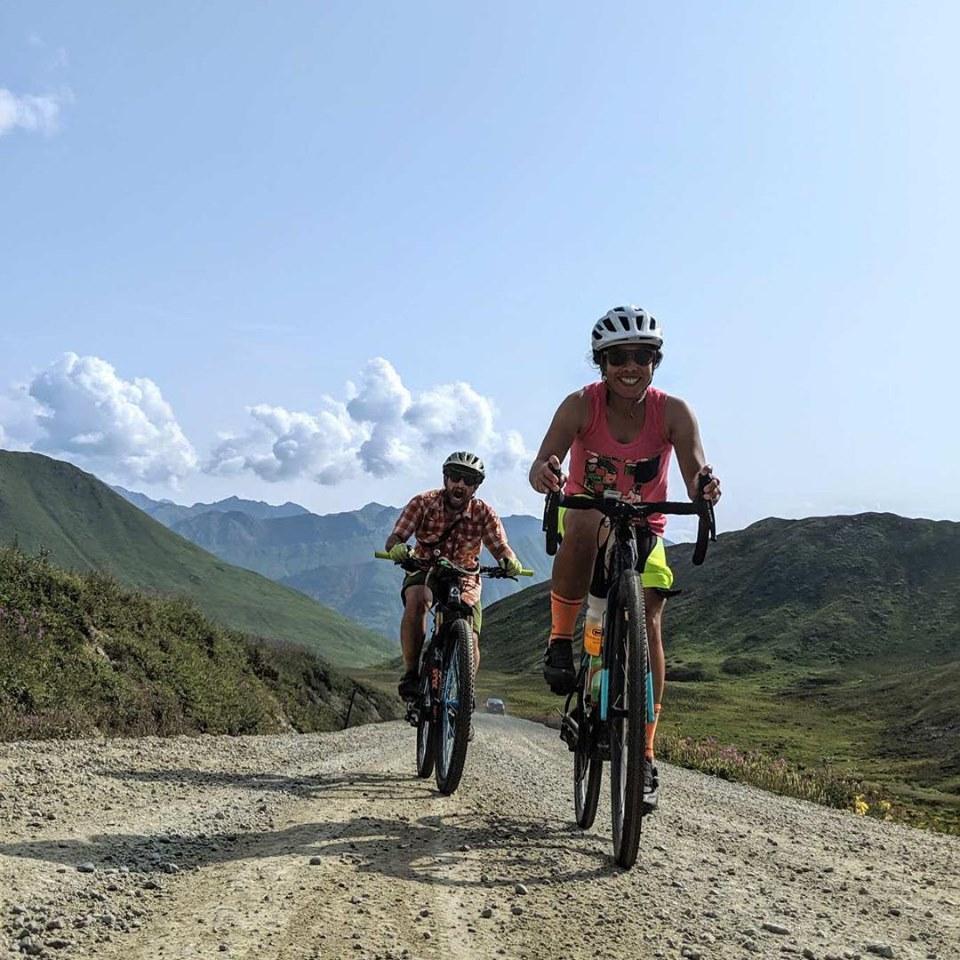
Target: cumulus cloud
{"x": 381, "y": 396}
{"x": 510, "y": 452}
{"x": 382, "y": 430}
{"x": 29, "y": 112}
{"x": 283, "y": 445}
{"x": 18, "y": 426}
{"x": 452, "y": 415}
{"x": 124, "y": 428}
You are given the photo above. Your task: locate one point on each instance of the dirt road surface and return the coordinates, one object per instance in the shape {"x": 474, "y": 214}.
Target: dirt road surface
{"x": 328, "y": 846}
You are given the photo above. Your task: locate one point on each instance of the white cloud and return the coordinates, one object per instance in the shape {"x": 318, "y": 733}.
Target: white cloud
{"x": 18, "y": 426}
{"x": 452, "y": 415}
{"x": 30, "y": 112}
{"x": 381, "y": 397}
{"x": 386, "y": 453}
{"x": 284, "y": 445}
{"x": 510, "y": 452}
{"x": 381, "y": 430}
{"x": 122, "y": 428}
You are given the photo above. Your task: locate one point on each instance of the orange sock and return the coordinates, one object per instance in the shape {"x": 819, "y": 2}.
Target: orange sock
{"x": 652, "y": 732}
{"x": 563, "y": 615}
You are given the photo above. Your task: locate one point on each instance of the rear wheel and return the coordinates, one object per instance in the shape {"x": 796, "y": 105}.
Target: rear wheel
{"x": 425, "y": 729}
{"x": 456, "y": 703}
{"x": 627, "y": 714}
{"x": 587, "y": 764}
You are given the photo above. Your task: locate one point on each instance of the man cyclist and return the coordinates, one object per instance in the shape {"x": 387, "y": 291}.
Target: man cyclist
{"x": 453, "y": 523}
{"x": 620, "y": 433}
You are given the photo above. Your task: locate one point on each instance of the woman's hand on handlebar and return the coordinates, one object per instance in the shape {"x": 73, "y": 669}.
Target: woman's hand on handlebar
{"x": 546, "y": 475}
{"x": 711, "y": 485}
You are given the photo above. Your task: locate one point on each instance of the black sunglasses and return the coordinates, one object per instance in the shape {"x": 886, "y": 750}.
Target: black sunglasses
{"x": 620, "y": 356}
{"x": 467, "y": 476}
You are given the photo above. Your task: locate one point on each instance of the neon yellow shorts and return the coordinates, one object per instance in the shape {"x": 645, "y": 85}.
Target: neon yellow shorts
{"x": 656, "y": 572}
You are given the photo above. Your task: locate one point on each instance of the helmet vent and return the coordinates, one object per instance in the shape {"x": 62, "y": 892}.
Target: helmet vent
{"x": 624, "y": 321}
{"x": 653, "y": 324}
{"x": 608, "y": 323}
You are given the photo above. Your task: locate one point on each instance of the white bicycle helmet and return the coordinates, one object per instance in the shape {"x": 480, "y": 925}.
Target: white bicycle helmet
{"x": 465, "y": 461}
{"x": 626, "y": 325}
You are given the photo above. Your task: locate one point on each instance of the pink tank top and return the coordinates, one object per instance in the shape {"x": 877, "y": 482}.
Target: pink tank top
{"x": 598, "y": 462}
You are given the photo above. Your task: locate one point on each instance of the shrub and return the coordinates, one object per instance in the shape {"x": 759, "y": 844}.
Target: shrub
{"x": 743, "y": 666}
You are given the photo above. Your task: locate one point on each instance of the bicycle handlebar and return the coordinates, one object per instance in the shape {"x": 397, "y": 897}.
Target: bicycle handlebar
{"x": 617, "y": 508}
{"x": 423, "y": 563}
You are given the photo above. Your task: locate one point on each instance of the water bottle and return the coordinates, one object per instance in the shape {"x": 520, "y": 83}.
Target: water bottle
{"x": 593, "y": 643}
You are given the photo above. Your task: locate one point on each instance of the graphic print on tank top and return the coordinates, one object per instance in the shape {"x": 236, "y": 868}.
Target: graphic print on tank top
{"x": 601, "y": 471}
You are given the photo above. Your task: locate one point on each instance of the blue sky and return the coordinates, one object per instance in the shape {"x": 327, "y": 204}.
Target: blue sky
{"x": 299, "y": 251}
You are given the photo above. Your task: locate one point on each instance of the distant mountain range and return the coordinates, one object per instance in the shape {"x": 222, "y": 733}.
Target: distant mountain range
{"x": 83, "y": 525}
{"x": 328, "y": 557}
{"x": 169, "y": 513}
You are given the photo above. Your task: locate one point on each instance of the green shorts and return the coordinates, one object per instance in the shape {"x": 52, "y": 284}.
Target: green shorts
{"x": 656, "y": 572}
{"x": 419, "y": 579}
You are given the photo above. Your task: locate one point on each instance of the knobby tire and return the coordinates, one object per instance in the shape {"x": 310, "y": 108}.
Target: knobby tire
{"x": 456, "y": 703}
{"x": 627, "y": 719}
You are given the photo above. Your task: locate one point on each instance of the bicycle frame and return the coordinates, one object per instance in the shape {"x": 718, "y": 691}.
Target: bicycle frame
{"x": 621, "y": 552}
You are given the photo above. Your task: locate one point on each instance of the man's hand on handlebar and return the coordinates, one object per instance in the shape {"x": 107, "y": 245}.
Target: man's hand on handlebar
{"x": 511, "y": 566}
{"x": 399, "y": 552}
{"x": 546, "y": 476}
{"x": 711, "y": 489}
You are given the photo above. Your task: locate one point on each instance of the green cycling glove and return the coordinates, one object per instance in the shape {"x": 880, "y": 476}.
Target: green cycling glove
{"x": 399, "y": 552}
{"x": 512, "y": 566}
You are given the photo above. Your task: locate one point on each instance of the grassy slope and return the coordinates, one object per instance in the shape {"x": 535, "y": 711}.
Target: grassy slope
{"x": 80, "y": 655}
{"x": 829, "y": 641}
{"x": 51, "y": 505}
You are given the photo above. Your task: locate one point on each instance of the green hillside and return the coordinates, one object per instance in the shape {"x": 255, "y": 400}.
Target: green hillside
{"x": 81, "y": 656}
{"x": 83, "y": 525}
{"x": 366, "y": 592}
{"x": 831, "y": 641}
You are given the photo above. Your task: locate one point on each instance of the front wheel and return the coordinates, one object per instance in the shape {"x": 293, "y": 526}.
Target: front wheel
{"x": 425, "y": 728}
{"x": 456, "y": 704}
{"x": 587, "y": 763}
{"x": 627, "y": 714}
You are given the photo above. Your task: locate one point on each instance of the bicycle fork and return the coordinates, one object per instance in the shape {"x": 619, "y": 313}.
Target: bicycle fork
{"x": 605, "y": 708}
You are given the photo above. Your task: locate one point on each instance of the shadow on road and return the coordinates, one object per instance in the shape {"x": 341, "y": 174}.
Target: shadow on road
{"x": 452, "y": 849}
{"x": 358, "y": 785}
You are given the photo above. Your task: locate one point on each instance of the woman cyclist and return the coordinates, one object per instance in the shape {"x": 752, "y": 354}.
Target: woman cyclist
{"x": 620, "y": 433}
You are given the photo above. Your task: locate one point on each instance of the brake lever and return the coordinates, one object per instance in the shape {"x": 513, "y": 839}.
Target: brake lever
{"x": 550, "y": 511}
{"x": 711, "y": 515}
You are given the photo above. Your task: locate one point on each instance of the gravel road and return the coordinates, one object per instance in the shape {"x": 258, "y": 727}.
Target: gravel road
{"x": 328, "y": 846}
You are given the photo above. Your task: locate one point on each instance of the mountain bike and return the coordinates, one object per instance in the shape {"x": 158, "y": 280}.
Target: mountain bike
{"x": 445, "y": 695}
{"x": 605, "y": 719}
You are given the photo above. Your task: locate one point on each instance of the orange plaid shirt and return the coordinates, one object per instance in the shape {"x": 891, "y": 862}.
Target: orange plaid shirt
{"x": 426, "y": 517}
